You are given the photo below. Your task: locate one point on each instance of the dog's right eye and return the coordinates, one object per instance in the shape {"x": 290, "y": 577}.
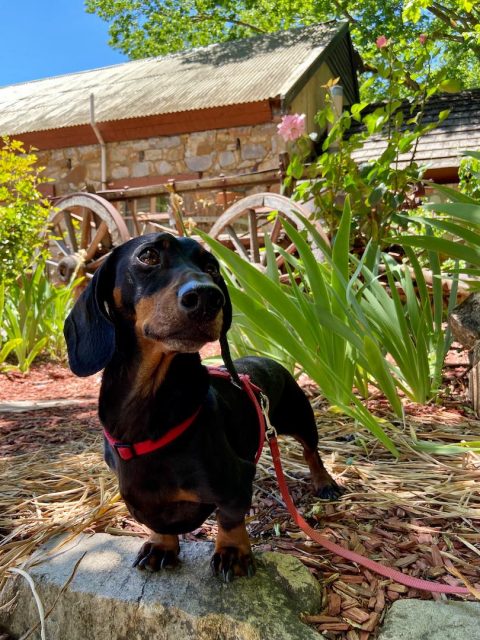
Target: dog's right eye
{"x": 149, "y": 256}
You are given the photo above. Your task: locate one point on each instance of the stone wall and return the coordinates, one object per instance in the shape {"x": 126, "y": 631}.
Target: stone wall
{"x": 206, "y": 153}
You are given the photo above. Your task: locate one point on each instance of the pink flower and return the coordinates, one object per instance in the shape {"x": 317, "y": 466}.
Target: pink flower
{"x": 292, "y": 127}
{"x": 381, "y": 42}
{"x": 422, "y": 38}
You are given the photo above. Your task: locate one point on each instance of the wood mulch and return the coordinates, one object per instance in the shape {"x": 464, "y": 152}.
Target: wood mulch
{"x": 419, "y": 514}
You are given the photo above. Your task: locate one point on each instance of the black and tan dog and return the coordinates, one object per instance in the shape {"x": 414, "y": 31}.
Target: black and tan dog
{"x": 152, "y": 305}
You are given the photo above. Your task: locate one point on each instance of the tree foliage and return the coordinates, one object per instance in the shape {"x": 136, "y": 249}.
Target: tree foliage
{"x": 142, "y": 28}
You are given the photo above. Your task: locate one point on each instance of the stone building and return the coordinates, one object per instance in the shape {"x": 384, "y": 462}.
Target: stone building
{"x": 203, "y": 112}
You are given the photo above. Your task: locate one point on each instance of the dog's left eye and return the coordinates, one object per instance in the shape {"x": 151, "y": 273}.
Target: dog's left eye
{"x": 149, "y": 256}
{"x": 211, "y": 269}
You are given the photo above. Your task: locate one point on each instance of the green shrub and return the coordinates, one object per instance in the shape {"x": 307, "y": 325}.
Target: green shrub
{"x": 23, "y": 210}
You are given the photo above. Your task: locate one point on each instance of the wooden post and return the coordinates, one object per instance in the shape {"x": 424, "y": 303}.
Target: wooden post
{"x": 464, "y": 322}
{"x": 474, "y": 378}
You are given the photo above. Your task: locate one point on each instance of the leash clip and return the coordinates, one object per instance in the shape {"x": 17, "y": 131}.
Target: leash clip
{"x": 270, "y": 431}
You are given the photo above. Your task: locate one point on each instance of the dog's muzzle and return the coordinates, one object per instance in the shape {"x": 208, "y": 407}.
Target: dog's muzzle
{"x": 200, "y": 301}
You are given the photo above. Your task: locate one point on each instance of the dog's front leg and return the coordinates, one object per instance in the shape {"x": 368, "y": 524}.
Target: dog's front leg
{"x": 233, "y": 554}
{"x": 159, "y": 552}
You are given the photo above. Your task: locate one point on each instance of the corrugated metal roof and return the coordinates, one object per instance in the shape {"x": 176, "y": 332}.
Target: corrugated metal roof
{"x": 229, "y": 73}
{"x": 442, "y": 147}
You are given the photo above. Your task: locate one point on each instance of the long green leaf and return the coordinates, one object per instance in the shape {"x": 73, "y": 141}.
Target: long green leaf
{"x": 9, "y": 346}
{"x": 453, "y": 194}
{"x": 464, "y": 211}
{"x": 441, "y": 245}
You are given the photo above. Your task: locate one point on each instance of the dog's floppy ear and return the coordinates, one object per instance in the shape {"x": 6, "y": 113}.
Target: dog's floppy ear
{"x": 89, "y": 333}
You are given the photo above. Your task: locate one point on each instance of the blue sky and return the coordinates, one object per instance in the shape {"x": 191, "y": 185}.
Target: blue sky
{"x": 46, "y": 38}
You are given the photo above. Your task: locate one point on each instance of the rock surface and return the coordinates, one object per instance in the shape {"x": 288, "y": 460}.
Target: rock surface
{"x": 426, "y": 620}
{"x": 108, "y": 600}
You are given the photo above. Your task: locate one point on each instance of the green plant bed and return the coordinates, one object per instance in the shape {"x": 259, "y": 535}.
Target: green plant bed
{"x": 340, "y": 325}
{"x": 32, "y": 313}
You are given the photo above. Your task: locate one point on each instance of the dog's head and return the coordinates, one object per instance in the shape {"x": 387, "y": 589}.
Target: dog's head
{"x": 166, "y": 290}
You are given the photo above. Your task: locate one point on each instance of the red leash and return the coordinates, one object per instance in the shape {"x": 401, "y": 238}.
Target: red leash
{"x": 267, "y": 429}
{"x": 387, "y": 572}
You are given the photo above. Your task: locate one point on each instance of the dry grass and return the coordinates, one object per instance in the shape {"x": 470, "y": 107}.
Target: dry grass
{"x": 419, "y": 513}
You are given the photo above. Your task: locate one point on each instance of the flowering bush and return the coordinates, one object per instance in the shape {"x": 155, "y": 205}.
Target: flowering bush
{"x": 292, "y": 127}
{"x": 381, "y": 42}
{"x": 387, "y": 184}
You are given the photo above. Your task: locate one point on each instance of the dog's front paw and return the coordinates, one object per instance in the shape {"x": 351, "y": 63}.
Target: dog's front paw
{"x": 153, "y": 557}
{"x": 229, "y": 562}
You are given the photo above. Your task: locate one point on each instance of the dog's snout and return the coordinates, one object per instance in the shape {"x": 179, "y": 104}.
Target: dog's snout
{"x": 200, "y": 300}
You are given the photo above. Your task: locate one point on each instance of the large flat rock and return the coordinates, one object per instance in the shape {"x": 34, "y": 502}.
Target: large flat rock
{"x": 109, "y": 600}
{"x": 427, "y": 620}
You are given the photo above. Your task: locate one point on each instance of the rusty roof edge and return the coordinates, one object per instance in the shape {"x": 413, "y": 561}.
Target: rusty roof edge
{"x": 292, "y": 88}
{"x": 140, "y": 117}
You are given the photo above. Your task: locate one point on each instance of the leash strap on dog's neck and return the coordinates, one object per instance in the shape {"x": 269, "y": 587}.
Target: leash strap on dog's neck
{"x": 387, "y": 572}
{"x": 252, "y": 391}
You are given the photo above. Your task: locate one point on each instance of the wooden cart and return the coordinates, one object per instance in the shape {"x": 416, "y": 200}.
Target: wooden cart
{"x": 85, "y": 227}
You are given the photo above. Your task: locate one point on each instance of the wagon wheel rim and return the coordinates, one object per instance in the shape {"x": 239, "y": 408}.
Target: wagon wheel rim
{"x": 248, "y": 244}
{"x": 83, "y": 230}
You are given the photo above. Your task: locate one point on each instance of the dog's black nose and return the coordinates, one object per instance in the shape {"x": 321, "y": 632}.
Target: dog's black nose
{"x": 200, "y": 300}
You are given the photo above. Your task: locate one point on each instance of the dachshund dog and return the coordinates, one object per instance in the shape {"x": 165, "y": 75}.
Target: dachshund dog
{"x": 181, "y": 441}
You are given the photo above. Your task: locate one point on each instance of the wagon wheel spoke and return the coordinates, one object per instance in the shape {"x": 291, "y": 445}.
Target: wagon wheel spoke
{"x": 274, "y": 235}
{"x": 95, "y": 264}
{"x": 280, "y": 261}
{"x": 61, "y": 246}
{"x": 237, "y": 242}
{"x": 276, "y": 229}
{"x": 85, "y": 229}
{"x": 67, "y": 217}
{"x": 253, "y": 232}
{"x": 97, "y": 238}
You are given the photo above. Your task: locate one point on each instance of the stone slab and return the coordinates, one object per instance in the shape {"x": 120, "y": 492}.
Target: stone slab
{"x": 22, "y": 406}
{"x": 109, "y": 600}
{"x": 427, "y": 620}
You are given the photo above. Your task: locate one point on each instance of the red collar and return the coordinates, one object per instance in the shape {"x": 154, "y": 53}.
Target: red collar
{"x": 127, "y": 451}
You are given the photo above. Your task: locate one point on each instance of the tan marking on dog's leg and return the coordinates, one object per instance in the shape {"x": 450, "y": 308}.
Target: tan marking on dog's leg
{"x": 236, "y": 537}
{"x": 166, "y": 541}
{"x": 159, "y": 552}
{"x": 320, "y": 476}
{"x": 233, "y": 553}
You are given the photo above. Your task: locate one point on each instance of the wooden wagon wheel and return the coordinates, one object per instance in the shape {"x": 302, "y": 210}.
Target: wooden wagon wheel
{"x": 244, "y": 225}
{"x": 83, "y": 229}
